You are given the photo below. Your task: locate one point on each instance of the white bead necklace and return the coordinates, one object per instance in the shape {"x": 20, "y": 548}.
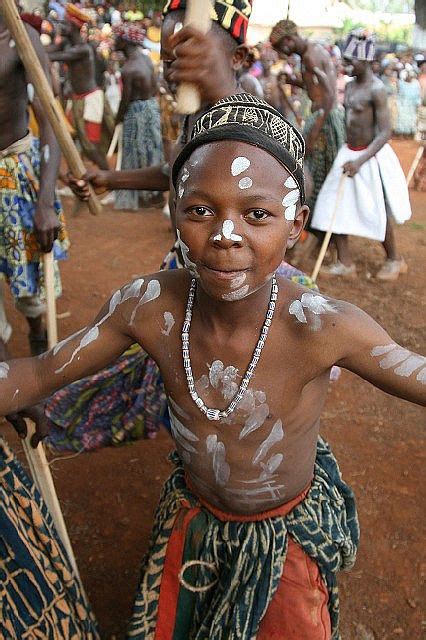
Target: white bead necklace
{"x": 217, "y": 414}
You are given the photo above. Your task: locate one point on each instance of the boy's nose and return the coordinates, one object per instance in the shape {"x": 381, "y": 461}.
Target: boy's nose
{"x": 226, "y": 234}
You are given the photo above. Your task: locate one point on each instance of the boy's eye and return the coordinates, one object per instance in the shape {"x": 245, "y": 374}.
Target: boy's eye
{"x": 257, "y": 214}
{"x": 202, "y": 212}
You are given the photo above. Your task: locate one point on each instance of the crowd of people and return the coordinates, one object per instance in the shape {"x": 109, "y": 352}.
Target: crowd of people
{"x": 256, "y": 520}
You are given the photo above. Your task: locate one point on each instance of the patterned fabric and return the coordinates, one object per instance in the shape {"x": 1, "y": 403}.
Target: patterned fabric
{"x": 249, "y": 119}
{"x": 121, "y": 403}
{"x": 409, "y": 98}
{"x": 40, "y": 597}
{"x": 242, "y": 561}
{"x": 360, "y": 45}
{"x": 142, "y": 147}
{"x": 20, "y": 258}
{"x": 231, "y": 15}
{"x": 332, "y": 136}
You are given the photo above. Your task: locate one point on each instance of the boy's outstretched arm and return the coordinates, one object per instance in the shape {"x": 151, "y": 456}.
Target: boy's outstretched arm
{"x": 27, "y": 381}
{"x": 373, "y": 355}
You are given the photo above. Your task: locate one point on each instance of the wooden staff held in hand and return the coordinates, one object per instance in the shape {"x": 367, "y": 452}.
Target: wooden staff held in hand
{"x": 44, "y": 92}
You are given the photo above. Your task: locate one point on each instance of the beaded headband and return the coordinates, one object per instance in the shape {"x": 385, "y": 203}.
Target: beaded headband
{"x": 251, "y": 120}
{"x": 231, "y": 15}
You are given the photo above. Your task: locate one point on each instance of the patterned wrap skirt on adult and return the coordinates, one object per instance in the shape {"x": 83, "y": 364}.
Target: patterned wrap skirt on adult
{"x": 142, "y": 147}
{"x": 327, "y": 145}
{"x": 234, "y": 566}
{"x": 40, "y": 597}
{"x": 20, "y": 258}
{"x": 379, "y": 183}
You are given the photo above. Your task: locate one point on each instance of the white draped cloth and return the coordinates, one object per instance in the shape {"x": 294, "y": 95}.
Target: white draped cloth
{"x": 362, "y": 210}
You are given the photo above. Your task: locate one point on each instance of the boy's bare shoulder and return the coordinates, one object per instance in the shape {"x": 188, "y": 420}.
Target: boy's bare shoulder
{"x": 335, "y": 324}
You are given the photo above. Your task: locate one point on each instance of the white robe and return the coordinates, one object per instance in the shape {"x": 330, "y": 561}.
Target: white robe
{"x": 362, "y": 210}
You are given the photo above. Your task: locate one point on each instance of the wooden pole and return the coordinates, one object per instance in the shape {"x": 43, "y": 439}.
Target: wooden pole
{"x": 49, "y": 285}
{"x": 197, "y": 15}
{"x": 414, "y": 165}
{"x": 327, "y": 237}
{"x": 38, "y": 78}
{"x": 115, "y": 139}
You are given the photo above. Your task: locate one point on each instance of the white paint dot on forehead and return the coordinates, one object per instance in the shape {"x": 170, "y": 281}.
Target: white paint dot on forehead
{"x": 245, "y": 183}
{"x": 290, "y": 183}
{"x": 239, "y": 165}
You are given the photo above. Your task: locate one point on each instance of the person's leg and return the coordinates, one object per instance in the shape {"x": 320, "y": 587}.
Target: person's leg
{"x": 299, "y": 609}
{"x": 394, "y": 264}
{"x": 345, "y": 266}
{"x": 34, "y": 309}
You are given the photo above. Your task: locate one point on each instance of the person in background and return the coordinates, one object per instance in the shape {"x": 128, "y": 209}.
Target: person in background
{"x": 408, "y": 100}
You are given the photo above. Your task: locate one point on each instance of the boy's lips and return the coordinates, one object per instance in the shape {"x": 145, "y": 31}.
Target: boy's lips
{"x": 226, "y": 273}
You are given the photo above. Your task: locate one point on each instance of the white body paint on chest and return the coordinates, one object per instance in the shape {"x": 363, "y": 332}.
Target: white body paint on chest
{"x": 183, "y": 437}
{"x": 276, "y": 435}
{"x": 221, "y": 468}
{"x": 169, "y": 321}
{"x": 403, "y": 362}
{"x": 4, "y": 370}
{"x": 314, "y": 303}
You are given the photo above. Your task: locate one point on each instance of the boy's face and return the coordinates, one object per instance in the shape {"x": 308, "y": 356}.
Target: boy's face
{"x": 236, "y": 217}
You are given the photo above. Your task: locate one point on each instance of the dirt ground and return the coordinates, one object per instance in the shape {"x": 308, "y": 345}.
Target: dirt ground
{"x": 109, "y": 497}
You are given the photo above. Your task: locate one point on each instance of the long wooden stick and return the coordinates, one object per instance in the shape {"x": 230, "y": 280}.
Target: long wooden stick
{"x": 198, "y": 15}
{"x": 44, "y": 92}
{"x": 414, "y": 165}
{"x": 327, "y": 237}
{"x": 42, "y": 475}
{"x": 115, "y": 139}
{"x": 49, "y": 284}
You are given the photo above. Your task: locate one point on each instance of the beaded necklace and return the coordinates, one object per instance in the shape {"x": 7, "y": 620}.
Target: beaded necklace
{"x": 217, "y": 414}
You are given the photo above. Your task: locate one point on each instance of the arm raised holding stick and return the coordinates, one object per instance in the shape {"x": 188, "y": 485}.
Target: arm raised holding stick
{"x": 44, "y": 92}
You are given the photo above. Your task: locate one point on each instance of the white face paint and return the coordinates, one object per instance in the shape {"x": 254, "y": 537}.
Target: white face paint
{"x": 238, "y": 280}
{"x": 12, "y": 44}
{"x": 290, "y": 212}
{"x": 4, "y": 370}
{"x": 153, "y": 290}
{"x": 185, "y": 175}
{"x": 181, "y": 190}
{"x": 290, "y": 183}
{"x": 185, "y": 255}
{"x": 46, "y": 153}
{"x": 403, "y": 361}
{"x": 239, "y": 165}
{"x": 169, "y": 321}
{"x": 236, "y": 295}
{"x": 227, "y": 231}
{"x": 276, "y": 435}
{"x": 30, "y": 92}
{"x": 15, "y": 394}
{"x": 178, "y": 27}
{"x": 245, "y": 183}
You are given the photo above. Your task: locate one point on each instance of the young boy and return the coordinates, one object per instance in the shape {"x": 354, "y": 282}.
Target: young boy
{"x": 255, "y": 521}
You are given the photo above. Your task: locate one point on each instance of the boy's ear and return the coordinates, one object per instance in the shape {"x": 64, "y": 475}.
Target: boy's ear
{"x": 240, "y": 54}
{"x": 299, "y": 223}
